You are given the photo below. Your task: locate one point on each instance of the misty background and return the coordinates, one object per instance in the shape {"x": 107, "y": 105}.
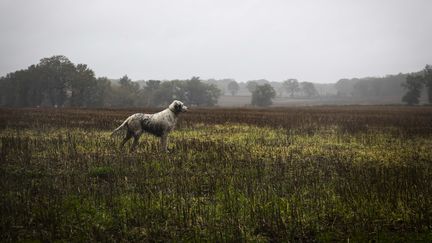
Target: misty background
{"x": 352, "y": 51}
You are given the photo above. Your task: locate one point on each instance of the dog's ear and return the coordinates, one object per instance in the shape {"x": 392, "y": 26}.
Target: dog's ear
{"x": 177, "y": 106}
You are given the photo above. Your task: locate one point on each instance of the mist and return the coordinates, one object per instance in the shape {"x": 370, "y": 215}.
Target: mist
{"x": 312, "y": 41}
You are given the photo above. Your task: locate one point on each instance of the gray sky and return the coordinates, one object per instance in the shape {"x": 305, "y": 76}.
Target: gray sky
{"x": 318, "y": 41}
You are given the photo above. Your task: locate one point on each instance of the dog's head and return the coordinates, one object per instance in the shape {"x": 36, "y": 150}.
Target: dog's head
{"x": 177, "y": 107}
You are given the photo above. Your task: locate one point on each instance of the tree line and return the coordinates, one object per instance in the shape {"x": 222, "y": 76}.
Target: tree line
{"x": 57, "y": 82}
{"x": 409, "y": 87}
{"x": 389, "y": 85}
{"x": 262, "y": 94}
{"x": 292, "y": 87}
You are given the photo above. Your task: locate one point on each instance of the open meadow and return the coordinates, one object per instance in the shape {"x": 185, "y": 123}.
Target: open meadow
{"x": 336, "y": 173}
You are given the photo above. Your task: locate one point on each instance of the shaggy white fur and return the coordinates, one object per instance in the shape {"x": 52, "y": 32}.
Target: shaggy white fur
{"x": 159, "y": 124}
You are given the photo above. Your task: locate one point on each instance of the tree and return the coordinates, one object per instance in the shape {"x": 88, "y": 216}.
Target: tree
{"x": 251, "y": 86}
{"x": 82, "y": 86}
{"x": 165, "y": 93}
{"x": 308, "y": 89}
{"x": 56, "y": 73}
{"x": 291, "y": 86}
{"x": 427, "y": 79}
{"x": 414, "y": 84}
{"x": 100, "y": 93}
{"x": 36, "y": 90}
{"x": 56, "y": 81}
{"x": 362, "y": 89}
{"x": 126, "y": 94}
{"x": 127, "y": 84}
{"x": 49, "y": 80}
{"x": 192, "y": 92}
{"x": 345, "y": 87}
{"x": 22, "y": 88}
{"x": 4, "y": 88}
{"x": 147, "y": 93}
{"x": 8, "y": 89}
{"x": 263, "y": 95}
{"x": 198, "y": 93}
{"x": 152, "y": 85}
{"x": 233, "y": 87}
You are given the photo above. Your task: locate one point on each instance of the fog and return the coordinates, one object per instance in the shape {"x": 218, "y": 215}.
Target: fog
{"x": 317, "y": 41}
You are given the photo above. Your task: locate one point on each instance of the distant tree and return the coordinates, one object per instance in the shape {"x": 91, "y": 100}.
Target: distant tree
{"x": 195, "y": 92}
{"x": 56, "y": 81}
{"x": 212, "y": 94}
{"x": 165, "y": 93}
{"x": 49, "y": 80}
{"x": 100, "y": 93}
{"x": 22, "y": 82}
{"x": 82, "y": 86}
{"x": 363, "y": 89}
{"x": 251, "y": 86}
{"x": 221, "y": 84}
{"x": 148, "y": 92}
{"x": 233, "y": 87}
{"x": 9, "y": 89}
{"x": 308, "y": 89}
{"x": 263, "y": 95}
{"x": 152, "y": 85}
{"x": 127, "y": 84}
{"x": 427, "y": 78}
{"x": 345, "y": 87}
{"x": 125, "y": 95}
{"x": 291, "y": 86}
{"x": 36, "y": 91}
{"x": 57, "y": 73}
{"x": 4, "y": 86}
{"x": 192, "y": 92}
{"x": 414, "y": 85}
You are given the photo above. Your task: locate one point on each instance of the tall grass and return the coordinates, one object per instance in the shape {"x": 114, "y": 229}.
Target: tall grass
{"x": 297, "y": 174}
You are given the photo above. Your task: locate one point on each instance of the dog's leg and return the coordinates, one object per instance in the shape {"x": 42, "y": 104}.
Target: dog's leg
{"x": 135, "y": 141}
{"x": 128, "y": 136}
{"x": 164, "y": 142}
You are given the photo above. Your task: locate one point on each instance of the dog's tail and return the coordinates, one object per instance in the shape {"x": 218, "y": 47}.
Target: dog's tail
{"x": 119, "y": 127}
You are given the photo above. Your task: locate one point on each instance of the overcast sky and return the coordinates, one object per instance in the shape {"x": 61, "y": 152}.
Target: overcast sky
{"x": 318, "y": 41}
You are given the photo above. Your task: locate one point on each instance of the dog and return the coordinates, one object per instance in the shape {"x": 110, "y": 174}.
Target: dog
{"x": 158, "y": 124}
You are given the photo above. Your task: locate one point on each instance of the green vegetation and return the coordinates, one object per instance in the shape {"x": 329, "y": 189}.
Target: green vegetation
{"x": 414, "y": 84}
{"x": 296, "y": 174}
{"x": 263, "y": 95}
{"x": 427, "y": 80}
{"x": 233, "y": 87}
{"x": 291, "y": 86}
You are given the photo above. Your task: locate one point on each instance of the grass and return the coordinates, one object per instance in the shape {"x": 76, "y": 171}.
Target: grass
{"x": 298, "y": 174}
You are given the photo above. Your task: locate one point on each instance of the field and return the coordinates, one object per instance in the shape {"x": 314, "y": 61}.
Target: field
{"x": 347, "y": 173}
{"x": 245, "y": 100}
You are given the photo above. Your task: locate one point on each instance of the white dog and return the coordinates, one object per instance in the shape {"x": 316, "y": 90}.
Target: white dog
{"x": 158, "y": 124}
